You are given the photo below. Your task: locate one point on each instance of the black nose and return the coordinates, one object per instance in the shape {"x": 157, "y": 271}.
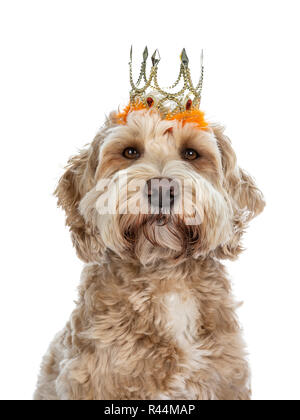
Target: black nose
{"x": 161, "y": 192}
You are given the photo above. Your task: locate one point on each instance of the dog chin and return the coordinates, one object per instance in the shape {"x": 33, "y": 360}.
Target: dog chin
{"x": 158, "y": 236}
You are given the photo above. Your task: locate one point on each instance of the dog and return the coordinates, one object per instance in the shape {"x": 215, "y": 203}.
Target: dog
{"x": 155, "y": 317}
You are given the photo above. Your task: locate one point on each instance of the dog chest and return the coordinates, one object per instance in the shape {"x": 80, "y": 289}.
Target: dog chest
{"x": 181, "y": 322}
{"x": 181, "y": 314}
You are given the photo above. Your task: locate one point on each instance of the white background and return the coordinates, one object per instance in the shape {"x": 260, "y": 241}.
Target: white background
{"x": 63, "y": 66}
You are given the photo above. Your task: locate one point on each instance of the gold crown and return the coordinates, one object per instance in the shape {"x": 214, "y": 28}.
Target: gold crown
{"x": 152, "y": 95}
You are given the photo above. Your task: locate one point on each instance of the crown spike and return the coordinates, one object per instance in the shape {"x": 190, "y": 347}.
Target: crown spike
{"x": 155, "y": 60}
{"x": 200, "y": 83}
{"x": 145, "y": 54}
{"x": 184, "y": 58}
{"x": 130, "y": 55}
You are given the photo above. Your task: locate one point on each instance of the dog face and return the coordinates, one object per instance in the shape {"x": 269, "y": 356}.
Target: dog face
{"x": 153, "y": 189}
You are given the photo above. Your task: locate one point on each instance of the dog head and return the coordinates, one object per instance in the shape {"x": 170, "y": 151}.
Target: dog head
{"x": 153, "y": 188}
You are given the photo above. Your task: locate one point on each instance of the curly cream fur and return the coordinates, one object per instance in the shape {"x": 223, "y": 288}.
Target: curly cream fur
{"x": 155, "y": 318}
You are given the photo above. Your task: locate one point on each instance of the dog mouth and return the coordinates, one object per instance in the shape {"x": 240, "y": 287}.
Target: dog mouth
{"x": 145, "y": 223}
{"x": 164, "y": 231}
{"x": 161, "y": 220}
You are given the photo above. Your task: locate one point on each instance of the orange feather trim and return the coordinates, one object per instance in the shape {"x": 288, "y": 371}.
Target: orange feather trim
{"x": 122, "y": 116}
{"x": 194, "y": 116}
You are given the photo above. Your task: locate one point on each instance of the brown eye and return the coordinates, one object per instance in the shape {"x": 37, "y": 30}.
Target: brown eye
{"x": 131, "y": 153}
{"x": 190, "y": 154}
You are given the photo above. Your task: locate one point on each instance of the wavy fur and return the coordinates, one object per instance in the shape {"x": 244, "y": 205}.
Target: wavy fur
{"x": 155, "y": 317}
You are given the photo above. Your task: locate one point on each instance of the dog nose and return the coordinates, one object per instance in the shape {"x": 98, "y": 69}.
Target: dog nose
{"x": 161, "y": 192}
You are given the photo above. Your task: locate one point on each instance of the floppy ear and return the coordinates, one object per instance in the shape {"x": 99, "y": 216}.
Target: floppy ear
{"x": 247, "y": 200}
{"x": 78, "y": 179}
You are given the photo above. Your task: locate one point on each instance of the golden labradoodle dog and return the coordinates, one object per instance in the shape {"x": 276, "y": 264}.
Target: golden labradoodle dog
{"x": 155, "y": 318}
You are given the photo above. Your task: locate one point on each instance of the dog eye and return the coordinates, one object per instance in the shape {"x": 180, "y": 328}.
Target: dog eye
{"x": 190, "y": 154}
{"x": 131, "y": 153}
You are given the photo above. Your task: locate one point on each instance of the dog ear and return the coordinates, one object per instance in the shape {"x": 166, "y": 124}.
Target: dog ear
{"x": 77, "y": 180}
{"x": 247, "y": 200}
